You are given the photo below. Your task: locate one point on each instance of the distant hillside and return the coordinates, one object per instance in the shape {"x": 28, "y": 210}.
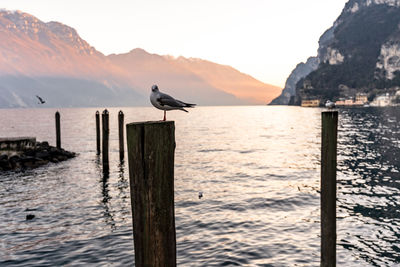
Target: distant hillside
{"x": 230, "y": 80}
{"x": 190, "y": 75}
{"x": 53, "y": 61}
{"x": 359, "y": 53}
{"x": 147, "y": 69}
{"x": 301, "y": 70}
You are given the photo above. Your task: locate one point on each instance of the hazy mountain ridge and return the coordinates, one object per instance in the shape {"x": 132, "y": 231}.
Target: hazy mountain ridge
{"x": 301, "y": 70}
{"x": 43, "y": 58}
{"x": 359, "y": 53}
{"x": 146, "y": 69}
{"x": 230, "y": 80}
{"x": 30, "y": 47}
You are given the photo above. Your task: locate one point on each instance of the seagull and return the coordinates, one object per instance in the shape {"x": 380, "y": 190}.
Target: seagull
{"x": 41, "y": 100}
{"x": 329, "y": 104}
{"x": 165, "y": 102}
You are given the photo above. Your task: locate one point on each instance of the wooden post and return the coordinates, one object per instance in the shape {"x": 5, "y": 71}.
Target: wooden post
{"x": 328, "y": 188}
{"x": 98, "y": 132}
{"x": 106, "y": 131}
{"x": 121, "y": 134}
{"x": 151, "y": 148}
{"x": 58, "y": 130}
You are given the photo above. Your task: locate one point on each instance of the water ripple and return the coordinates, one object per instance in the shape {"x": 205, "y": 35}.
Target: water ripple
{"x": 259, "y": 175}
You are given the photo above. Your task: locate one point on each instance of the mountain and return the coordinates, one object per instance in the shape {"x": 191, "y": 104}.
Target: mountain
{"x": 53, "y": 61}
{"x": 147, "y": 69}
{"x": 360, "y": 53}
{"x": 228, "y": 79}
{"x": 302, "y": 69}
{"x": 190, "y": 75}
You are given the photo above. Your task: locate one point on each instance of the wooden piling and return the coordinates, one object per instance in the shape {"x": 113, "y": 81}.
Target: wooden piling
{"x": 106, "y": 131}
{"x": 121, "y": 134}
{"x": 58, "y": 131}
{"x": 98, "y": 132}
{"x": 151, "y": 148}
{"x": 328, "y": 188}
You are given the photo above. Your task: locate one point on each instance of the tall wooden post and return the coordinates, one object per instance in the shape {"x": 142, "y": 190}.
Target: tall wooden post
{"x": 58, "y": 130}
{"x": 98, "y": 132}
{"x": 151, "y": 148}
{"x": 328, "y": 188}
{"x": 121, "y": 134}
{"x": 106, "y": 131}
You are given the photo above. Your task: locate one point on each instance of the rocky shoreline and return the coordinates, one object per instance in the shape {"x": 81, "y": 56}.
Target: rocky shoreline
{"x": 34, "y": 157}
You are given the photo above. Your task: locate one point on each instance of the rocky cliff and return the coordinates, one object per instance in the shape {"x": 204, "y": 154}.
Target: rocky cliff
{"x": 302, "y": 69}
{"x": 359, "y": 53}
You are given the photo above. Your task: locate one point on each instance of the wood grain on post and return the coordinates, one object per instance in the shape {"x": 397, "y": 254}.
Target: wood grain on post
{"x": 58, "y": 130}
{"x": 121, "y": 135}
{"x": 106, "y": 131}
{"x": 328, "y": 188}
{"x": 98, "y": 132}
{"x": 151, "y": 148}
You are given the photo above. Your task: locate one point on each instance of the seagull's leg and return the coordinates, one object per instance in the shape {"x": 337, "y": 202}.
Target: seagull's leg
{"x": 165, "y": 115}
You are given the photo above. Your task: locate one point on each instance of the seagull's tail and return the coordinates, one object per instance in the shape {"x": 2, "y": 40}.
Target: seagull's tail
{"x": 187, "y": 105}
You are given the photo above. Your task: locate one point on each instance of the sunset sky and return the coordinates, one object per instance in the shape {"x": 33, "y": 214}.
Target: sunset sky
{"x": 263, "y": 38}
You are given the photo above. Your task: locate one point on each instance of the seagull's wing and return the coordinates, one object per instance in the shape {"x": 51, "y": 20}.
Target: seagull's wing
{"x": 168, "y": 100}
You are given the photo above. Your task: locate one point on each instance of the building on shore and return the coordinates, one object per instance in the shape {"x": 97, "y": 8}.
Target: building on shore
{"x": 359, "y": 100}
{"x": 310, "y": 103}
{"x": 382, "y": 101}
{"x": 386, "y": 100}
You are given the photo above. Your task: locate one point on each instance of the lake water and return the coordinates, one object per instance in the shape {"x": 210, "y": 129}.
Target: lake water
{"x": 258, "y": 168}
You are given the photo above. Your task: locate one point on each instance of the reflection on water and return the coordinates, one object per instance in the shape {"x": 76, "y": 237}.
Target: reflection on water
{"x": 258, "y": 169}
{"x": 106, "y": 201}
{"x": 369, "y": 180}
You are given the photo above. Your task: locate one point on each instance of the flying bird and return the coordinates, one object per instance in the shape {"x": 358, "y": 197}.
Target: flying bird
{"x": 165, "y": 102}
{"x": 41, "y": 101}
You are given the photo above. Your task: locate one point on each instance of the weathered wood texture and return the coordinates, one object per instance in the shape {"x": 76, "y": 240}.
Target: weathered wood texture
{"x": 121, "y": 135}
{"x": 98, "y": 132}
{"x": 58, "y": 130}
{"x": 151, "y": 148}
{"x": 106, "y": 132}
{"x": 328, "y": 188}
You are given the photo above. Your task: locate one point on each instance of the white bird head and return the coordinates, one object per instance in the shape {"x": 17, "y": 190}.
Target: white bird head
{"x": 154, "y": 88}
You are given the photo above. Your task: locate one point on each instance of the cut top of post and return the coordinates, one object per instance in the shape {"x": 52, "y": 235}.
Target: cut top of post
{"x": 150, "y": 122}
{"x": 332, "y": 113}
{"x": 97, "y": 112}
{"x": 120, "y": 112}
{"x": 105, "y": 111}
